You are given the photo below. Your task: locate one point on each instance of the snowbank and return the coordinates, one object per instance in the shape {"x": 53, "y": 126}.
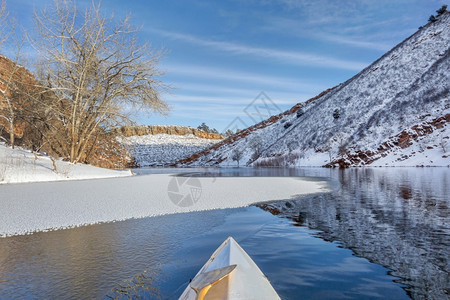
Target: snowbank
{"x": 27, "y": 208}
{"x": 19, "y": 165}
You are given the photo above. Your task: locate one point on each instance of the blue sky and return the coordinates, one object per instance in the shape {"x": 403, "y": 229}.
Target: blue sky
{"x": 223, "y": 54}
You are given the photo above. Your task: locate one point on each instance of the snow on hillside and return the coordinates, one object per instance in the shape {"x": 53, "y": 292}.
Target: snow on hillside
{"x": 398, "y": 107}
{"x": 19, "y": 165}
{"x": 163, "y": 149}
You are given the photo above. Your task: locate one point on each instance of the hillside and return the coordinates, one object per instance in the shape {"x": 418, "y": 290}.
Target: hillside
{"x": 159, "y": 145}
{"x": 396, "y": 112}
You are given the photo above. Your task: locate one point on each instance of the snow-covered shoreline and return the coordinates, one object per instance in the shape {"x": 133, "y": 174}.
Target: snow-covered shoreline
{"x": 20, "y": 165}
{"x": 33, "y": 207}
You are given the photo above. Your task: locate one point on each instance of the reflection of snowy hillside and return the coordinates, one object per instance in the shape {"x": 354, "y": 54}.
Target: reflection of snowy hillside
{"x": 394, "y": 217}
{"x": 163, "y": 149}
{"x": 395, "y": 112}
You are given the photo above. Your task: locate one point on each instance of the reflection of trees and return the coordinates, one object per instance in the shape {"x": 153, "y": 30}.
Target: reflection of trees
{"x": 396, "y": 218}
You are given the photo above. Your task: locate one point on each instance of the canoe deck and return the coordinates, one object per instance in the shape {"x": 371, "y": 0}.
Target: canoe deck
{"x": 245, "y": 281}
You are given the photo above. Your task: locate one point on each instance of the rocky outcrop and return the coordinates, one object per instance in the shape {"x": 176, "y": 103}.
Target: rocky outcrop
{"x": 403, "y": 140}
{"x": 128, "y": 131}
{"x": 12, "y": 75}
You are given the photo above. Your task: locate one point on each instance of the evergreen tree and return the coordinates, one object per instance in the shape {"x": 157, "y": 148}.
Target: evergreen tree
{"x": 336, "y": 114}
{"x": 228, "y": 133}
{"x": 441, "y": 10}
{"x": 204, "y": 127}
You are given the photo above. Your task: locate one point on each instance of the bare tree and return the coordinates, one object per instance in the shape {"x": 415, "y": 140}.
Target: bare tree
{"x": 96, "y": 71}
{"x": 292, "y": 145}
{"x": 443, "y": 142}
{"x": 237, "y": 155}
{"x": 341, "y": 139}
{"x": 329, "y": 149}
{"x": 336, "y": 146}
{"x": 256, "y": 144}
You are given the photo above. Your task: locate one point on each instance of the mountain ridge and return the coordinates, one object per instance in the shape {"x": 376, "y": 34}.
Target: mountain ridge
{"x": 406, "y": 87}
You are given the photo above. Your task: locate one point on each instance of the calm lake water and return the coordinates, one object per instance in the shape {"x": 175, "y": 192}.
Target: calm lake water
{"x": 379, "y": 234}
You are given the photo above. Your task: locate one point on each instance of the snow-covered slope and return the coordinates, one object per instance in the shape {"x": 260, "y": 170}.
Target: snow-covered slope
{"x": 163, "y": 149}
{"x": 394, "y": 112}
{"x": 19, "y": 165}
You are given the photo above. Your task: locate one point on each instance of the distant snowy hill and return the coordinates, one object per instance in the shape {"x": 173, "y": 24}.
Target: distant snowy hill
{"x": 396, "y": 112}
{"x": 164, "y": 145}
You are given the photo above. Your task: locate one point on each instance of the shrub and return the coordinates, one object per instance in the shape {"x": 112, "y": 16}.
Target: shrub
{"x": 336, "y": 114}
{"x": 292, "y": 145}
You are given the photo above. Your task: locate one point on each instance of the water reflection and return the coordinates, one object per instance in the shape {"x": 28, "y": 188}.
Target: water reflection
{"x": 240, "y": 172}
{"x": 89, "y": 262}
{"x": 398, "y": 218}
{"x": 296, "y": 262}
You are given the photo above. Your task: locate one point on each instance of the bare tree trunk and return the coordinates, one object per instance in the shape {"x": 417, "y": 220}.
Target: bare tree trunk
{"x": 55, "y": 169}
{"x": 11, "y": 129}
{"x": 9, "y": 86}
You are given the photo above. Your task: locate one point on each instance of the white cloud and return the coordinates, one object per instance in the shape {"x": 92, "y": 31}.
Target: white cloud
{"x": 236, "y": 101}
{"x": 252, "y": 80}
{"x": 289, "y": 57}
{"x": 364, "y": 24}
{"x": 355, "y": 36}
{"x": 356, "y": 43}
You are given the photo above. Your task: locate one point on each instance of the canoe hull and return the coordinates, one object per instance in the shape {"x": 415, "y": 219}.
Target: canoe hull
{"x": 245, "y": 282}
